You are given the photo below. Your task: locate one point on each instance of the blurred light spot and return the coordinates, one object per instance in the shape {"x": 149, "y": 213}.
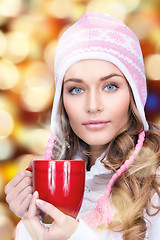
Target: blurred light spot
{"x": 34, "y": 140}
{"x": 114, "y": 8}
{"x": 152, "y": 103}
{"x": 80, "y": 1}
{"x": 7, "y": 149}
{"x": 17, "y": 88}
{"x": 121, "y": 13}
{"x": 34, "y": 101}
{"x": 4, "y": 211}
{"x": 38, "y": 140}
{"x": 38, "y": 78}
{"x": 131, "y": 5}
{"x": 152, "y": 66}
{"x": 6, "y": 224}
{"x": 17, "y": 47}
{"x": 6, "y": 124}
{"x": 49, "y": 54}
{"x": 54, "y": 8}
{"x": 3, "y": 20}
{"x": 63, "y": 29}
{"x": 8, "y": 74}
{"x": 20, "y": 134}
{"x": 140, "y": 26}
{"x": 2, "y": 43}
{"x": 157, "y": 121}
{"x": 10, "y": 170}
{"x": 8, "y": 105}
{"x": 24, "y": 24}
{"x": 23, "y": 161}
{"x": 79, "y": 10}
{"x": 35, "y": 47}
{"x": 157, "y": 48}
{"x": 155, "y": 35}
{"x": 11, "y": 8}
{"x": 36, "y": 27}
{"x": 2, "y": 184}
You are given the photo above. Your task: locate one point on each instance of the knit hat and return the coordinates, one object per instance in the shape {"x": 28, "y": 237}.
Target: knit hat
{"x": 100, "y": 36}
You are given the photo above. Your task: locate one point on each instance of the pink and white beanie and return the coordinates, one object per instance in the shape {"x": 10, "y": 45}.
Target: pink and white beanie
{"x": 100, "y": 36}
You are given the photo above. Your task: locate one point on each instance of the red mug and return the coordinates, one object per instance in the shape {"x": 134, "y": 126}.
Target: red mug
{"x": 60, "y": 182}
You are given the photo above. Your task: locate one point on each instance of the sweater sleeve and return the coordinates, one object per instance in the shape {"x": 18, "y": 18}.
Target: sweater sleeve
{"x": 153, "y": 222}
{"x": 86, "y": 233}
{"x": 153, "y": 227}
{"x": 83, "y": 232}
{"x": 21, "y": 232}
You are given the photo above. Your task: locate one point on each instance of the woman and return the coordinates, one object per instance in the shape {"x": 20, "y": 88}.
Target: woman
{"x": 98, "y": 115}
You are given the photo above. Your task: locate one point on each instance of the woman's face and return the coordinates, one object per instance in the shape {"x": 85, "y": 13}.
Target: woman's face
{"x": 96, "y": 98}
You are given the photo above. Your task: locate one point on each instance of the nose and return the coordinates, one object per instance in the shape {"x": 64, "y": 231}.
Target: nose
{"x": 94, "y": 102}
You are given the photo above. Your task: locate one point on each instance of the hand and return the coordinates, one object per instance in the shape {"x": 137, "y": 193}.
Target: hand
{"x": 19, "y": 193}
{"x": 62, "y": 227}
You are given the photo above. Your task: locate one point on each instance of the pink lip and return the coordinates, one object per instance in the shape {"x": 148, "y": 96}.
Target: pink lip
{"x": 95, "y": 124}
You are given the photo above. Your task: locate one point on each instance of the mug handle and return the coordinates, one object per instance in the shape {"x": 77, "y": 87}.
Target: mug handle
{"x": 29, "y": 169}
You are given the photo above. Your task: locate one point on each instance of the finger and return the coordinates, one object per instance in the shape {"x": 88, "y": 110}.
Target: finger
{"x": 27, "y": 181}
{"x": 20, "y": 203}
{"x": 20, "y": 190}
{"x": 28, "y": 191}
{"x": 34, "y": 227}
{"x": 20, "y": 207}
{"x": 33, "y": 207}
{"x": 50, "y": 210}
{"x": 26, "y": 202}
{"x": 16, "y": 180}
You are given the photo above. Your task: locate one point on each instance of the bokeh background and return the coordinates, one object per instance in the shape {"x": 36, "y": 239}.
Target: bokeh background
{"x": 29, "y": 31}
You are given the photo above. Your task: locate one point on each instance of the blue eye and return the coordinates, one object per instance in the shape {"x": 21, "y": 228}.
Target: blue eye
{"x": 111, "y": 87}
{"x": 76, "y": 90}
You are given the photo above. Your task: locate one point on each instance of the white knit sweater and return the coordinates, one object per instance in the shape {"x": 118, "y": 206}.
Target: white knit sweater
{"x": 96, "y": 182}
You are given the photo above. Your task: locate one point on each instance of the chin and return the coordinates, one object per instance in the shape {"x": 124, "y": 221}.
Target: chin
{"x": 95, "y": 142}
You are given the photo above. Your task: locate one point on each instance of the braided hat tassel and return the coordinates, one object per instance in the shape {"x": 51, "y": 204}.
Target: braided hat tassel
{"x": 102, "y": 214}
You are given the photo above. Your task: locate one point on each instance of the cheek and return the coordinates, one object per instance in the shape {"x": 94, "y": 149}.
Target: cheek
{"x": 120, "y": 107}
{"x": 122, "y": 111}
{"x": 71, "y": 111}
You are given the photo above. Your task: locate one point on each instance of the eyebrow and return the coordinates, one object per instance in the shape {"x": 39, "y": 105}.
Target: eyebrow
{"x": 101, "y": 79}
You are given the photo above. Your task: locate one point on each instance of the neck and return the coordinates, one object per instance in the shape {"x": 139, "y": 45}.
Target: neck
{"x": 96, "y": 152}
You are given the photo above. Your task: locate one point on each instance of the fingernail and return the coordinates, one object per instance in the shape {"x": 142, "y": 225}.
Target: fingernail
{"x": 35, "y": 194}
{"x": 40, "y": 202}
